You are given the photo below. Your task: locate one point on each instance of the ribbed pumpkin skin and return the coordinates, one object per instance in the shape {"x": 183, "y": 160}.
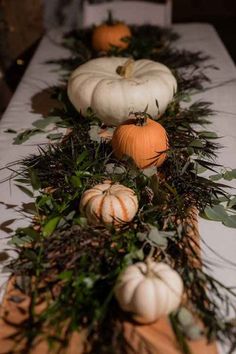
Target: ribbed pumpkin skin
{"x": 112, "y": 97}
{"x": 144, "y": 144}
{"x": 109, "y": 204}
{"x": 149, "y": 292}
{"x": 106, "y": 35}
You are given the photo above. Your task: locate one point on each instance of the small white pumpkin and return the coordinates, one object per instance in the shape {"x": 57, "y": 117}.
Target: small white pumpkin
{"x": 149, "y": 290}
{"x": 114, "y": 86}
{"x": 110, "y": 204}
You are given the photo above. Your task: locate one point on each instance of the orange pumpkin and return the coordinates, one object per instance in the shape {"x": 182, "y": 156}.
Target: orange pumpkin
{"x": 110, "y": 34}
{"x": 142, "y": 139}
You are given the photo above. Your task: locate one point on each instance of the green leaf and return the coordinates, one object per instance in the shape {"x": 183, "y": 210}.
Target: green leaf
{"x": 230, "y": 221}
{"x": 29, "y": 254}
{"x": 22, "y": 180}
{"x": 111, "y": 168}
{"x": 150, "y": 171}
{"x": 216, "y": 177}
{"x": 141, "y": 236}
{"x": 185, "y": 317}
{"x": 66, "y": 275}
{"x": 23, "y": 236}
{"x": 43, "y": 123}
{"x": 82, "y": 221}
{"x": 94, "y": 133}
{"x": 29, "y": 231}
{"x": 233, "y": 173}
{"x": 55, "y": 136}
{"x": 200, "y": 169}
{"x": 50, "y": 226}
{"x": 207, "y": 134}
{"x": 228, "y": 176}
{"x": 197, "y": 144}
{"x": 157, "y": 237}
{"x": 76, "y": 181}
{"x": 216, "y": 213}
{"x": 34, "y": 179}
{"x": 81, "y": 157}
{"x": 25, "y": 190}
{"x": 193, "y": 332}
{"x": 232, "y": 202}
{"x": 25, "y": 135}
{"x": 19, "y": 241}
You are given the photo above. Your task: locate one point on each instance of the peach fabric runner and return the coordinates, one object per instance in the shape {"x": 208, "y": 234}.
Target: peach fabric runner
{"x": 159, "y": 335}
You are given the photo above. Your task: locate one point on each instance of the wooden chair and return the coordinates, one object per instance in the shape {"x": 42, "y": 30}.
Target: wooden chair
{"x": 132, "y": 12}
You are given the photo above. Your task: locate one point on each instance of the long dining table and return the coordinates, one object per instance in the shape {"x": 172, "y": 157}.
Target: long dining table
{"x": 29, "y": 103}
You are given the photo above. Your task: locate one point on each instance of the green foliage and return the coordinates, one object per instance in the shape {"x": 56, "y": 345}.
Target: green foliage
{"x": 77, "y": 265}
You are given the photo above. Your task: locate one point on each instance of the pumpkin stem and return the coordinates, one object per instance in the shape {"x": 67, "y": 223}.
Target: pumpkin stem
{"x": 110, "y": 19}
{"x": 141, "y": 118}
{"x": 149, "y": 272}
{"x": 126, "y": 70}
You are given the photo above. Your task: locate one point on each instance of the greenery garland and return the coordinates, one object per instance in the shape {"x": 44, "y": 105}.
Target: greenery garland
{"x": 75, "y": 265}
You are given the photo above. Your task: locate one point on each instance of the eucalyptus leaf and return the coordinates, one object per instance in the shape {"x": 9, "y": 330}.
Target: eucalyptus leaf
{"x": 228, "y": 176}
{"x": 55, "y": 136}
{"x": 200, "y": 169}
{"x": 82, "y": 221}
{"x": 216, "y": 213}
{"x": 141, "y": 236}
{"x": 230, "y": 221}
{"x": 216, "y": 177}
{"x": 185, "y": 317}
{"x": 139, "y": 255}
{"x": 197, "y": 144}
{"x": 94, "y": 133}
{"x": 232, "y": 202}
{"x": 233, "y": 173}
{"x": 112, "y": 168}
{"x": 193, "y": 332}
{"x": 158, "y": 238}
{"x": 20, "y": 241}
{"x": 150, "y": 171}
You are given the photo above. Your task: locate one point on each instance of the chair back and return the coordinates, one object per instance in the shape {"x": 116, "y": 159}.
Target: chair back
{"x": 131, "y": 12}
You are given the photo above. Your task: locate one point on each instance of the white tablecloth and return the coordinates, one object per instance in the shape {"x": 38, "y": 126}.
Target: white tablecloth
{"x": 216, "y": 238}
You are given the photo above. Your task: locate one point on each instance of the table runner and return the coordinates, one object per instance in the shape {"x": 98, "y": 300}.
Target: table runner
{"x": 193, "y": 36}
{"x": 159, "y": 335}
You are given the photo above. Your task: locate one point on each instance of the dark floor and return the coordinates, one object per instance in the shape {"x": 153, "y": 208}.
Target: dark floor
{"x": 227, "y": 32}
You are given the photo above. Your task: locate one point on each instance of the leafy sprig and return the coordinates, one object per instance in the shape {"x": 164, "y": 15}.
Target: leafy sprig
{"x": 75, "y": 266}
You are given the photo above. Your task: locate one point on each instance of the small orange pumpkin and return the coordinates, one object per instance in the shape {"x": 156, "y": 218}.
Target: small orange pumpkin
{"x": 142, "y": 139}
{"x": 110, "y": 34}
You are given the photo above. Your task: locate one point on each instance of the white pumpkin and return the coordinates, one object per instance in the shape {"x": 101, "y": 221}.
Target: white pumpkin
{"x": 110, "y": 204}
{"x": 149, "y": 290}
{"x": 114, "y": 86}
